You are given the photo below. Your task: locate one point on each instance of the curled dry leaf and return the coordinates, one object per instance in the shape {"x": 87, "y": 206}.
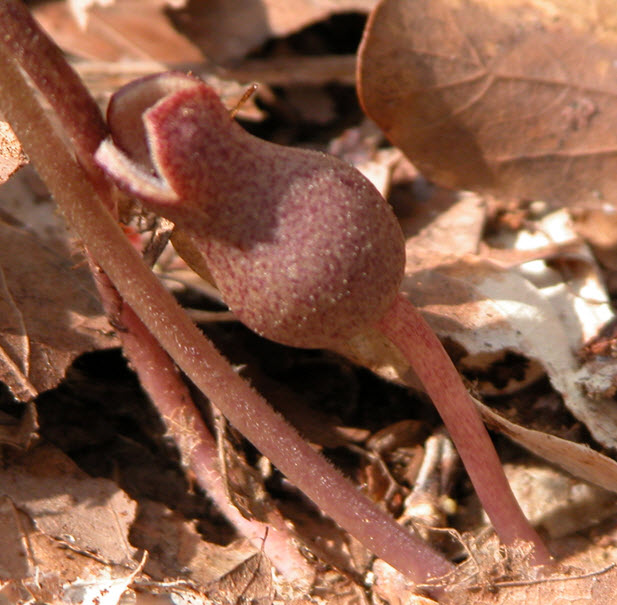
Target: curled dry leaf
{"x": 514, "y": 97}
{"x": 43, "y": 327}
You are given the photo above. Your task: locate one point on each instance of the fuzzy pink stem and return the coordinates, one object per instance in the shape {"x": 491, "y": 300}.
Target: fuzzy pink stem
{"x": 195, "y": 355}
{"x": 161, "y": 380}
{"x": 406, "y": 328}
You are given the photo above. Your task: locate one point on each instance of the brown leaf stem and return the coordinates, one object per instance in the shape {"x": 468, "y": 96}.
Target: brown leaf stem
{"x": 76, "y": 195}
{"x": 408, "y": 330}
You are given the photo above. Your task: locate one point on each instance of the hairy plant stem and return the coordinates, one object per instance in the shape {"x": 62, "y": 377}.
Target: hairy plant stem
{"x": 159, "y": 377}
{"x": 408, "y": 330}
{"x": 78, "y": 199}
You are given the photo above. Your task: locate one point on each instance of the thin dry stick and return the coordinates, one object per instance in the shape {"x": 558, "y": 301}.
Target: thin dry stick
{"x": 196, "y": 356}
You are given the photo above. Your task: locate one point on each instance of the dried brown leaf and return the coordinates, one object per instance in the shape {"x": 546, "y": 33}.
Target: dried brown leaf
{"x": 178, "y": 550}
{"x": 20, "y": 432}
{"x": 456, "y": 230}
{"x": 294, "y": 70}
{"x": 49, "y": 313}
{"x": 42, "y": 569}
{"x": 64, "y": 535}
{"x": 25, "y": 203}
{"x": 243, "y": 484}
{"x": 90, "y": 515}
{"x": 101, "y": 588}
{"x": 251, "y": 582}
{"x": 227, "y": 31}
{"x": 14, "y": 563}
{"x": 598, "y": 226}
{"x": 575, "y": 458}
{"x": 11, "y": 155}
{"x": 516, "y": 97}
{"x": 126, "y": 29}
{"x": 81, "y": 8}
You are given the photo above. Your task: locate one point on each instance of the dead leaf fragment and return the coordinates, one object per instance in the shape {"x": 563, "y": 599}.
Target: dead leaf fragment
{"x": 89, "y": 515}
{"x": 577, "y": 459}
{"x": 103, "y": 588}
{"x": 49, "y": 568}
{"x": 178, "y": 550}
{"x": 225, "y": 35}
{"x": 49, "y": 313}
{"x": 19, "y": 433}
{"x": 12, "y": 156}
{"x": 64, "y": 535}
{"x": 516, "y": 97}
{"x": 250, "y": 582}
{"x": 126, "y": 29}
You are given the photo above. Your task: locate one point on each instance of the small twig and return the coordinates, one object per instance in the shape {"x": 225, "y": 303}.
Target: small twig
{"x": 552, "y": 579}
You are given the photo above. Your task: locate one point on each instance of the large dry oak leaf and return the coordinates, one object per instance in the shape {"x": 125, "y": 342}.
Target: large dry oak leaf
{"x": 517, "y": 97}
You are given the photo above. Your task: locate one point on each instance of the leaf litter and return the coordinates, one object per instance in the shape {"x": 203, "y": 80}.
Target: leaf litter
{"x": 513, "y": 303}
{"x": 43, "y": 327}
{"x": 512, "y": 97}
